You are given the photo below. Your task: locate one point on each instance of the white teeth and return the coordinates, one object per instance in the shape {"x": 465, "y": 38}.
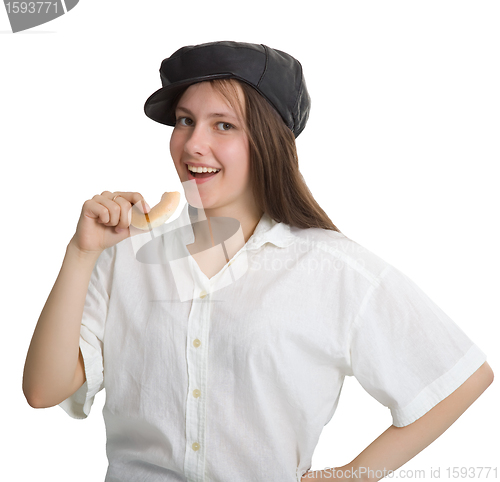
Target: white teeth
{"x": 202, "y": 169}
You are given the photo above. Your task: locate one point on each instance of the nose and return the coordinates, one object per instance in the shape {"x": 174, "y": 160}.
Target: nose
{"x": 198, "y": 143}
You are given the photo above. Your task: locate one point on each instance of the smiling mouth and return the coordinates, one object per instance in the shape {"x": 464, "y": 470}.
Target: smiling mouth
{"x": 200, "y": 175}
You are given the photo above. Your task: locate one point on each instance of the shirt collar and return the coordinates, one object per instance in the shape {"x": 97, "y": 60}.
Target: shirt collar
{"x": 270, "y": 231}
{"x": 266, "y": 231}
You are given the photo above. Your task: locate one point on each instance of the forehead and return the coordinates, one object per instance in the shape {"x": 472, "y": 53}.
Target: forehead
{"x": 204, "y": 97}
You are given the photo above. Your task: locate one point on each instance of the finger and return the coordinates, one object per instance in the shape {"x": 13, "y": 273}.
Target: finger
{"x": 134, "y": 198}
{"x": 95, "y": 210}
{"x": 113, "y": 208}
{"x": 125, "y": 213}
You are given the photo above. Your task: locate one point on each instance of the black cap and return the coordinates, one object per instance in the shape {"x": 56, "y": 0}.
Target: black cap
{"x": 276, "y": 75}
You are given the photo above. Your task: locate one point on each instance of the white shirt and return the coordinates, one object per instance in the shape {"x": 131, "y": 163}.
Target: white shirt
{"x": 236, "y": 382}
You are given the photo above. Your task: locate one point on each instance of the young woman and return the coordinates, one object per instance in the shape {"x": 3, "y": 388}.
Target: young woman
{"x": 224, "y": 357}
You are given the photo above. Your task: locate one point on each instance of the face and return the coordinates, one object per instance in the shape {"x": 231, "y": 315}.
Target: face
{"x": 209, "y": 133}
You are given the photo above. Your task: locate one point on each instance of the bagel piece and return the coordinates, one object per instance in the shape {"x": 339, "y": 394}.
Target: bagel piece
{"x": 158, "y": 215}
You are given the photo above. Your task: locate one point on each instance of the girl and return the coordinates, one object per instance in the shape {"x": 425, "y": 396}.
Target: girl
{"x": 223, "y": 351}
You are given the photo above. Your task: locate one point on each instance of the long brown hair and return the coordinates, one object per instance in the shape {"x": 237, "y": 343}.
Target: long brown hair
{"x": 278, "y": 186}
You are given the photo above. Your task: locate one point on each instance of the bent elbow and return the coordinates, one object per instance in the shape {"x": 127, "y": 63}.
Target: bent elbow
{"x": 36, "y": 400}
{"x": 480, "y": 380}
{"x": 486, "y": 374}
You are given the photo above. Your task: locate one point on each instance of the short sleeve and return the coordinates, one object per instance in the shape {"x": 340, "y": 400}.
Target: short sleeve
{"x": 405, "y": 351}
{"x": 91, "y": 340}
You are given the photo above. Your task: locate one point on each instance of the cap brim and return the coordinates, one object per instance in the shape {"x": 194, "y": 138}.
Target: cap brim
{"x": 159, "y": 105}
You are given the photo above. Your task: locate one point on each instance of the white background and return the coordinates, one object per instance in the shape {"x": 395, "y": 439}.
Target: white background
{"x": 401, "y": 151}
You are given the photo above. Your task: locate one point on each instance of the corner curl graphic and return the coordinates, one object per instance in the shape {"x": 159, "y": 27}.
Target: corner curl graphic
{"x": 29, "y": 14}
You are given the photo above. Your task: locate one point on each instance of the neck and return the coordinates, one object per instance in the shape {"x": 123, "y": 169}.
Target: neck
{"x": 248, "y": 218}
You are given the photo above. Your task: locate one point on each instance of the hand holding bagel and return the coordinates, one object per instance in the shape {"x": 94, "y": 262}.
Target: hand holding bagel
{"x": 159, "y": 214}
{"x": 105, "y": 219}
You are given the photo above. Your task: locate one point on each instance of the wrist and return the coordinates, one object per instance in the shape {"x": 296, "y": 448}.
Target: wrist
{"x": 75, "y": 252}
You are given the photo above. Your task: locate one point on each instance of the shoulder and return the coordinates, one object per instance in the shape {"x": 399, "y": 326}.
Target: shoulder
{"x": 350, "y": 255}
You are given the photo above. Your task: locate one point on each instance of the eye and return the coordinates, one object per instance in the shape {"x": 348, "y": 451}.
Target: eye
{"x": 184, "y": 121}
{"x": 224, "y": 126}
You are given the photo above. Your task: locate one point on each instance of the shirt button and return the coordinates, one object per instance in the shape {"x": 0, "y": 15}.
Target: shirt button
{"x": 203, "y": 294}
{"x": 196, "y": 446}
{"x": 196, "y": 343}
{"x": 196, "y": 393}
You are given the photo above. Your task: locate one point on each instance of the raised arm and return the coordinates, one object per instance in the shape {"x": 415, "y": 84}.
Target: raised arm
{"x": 54, "y": 367}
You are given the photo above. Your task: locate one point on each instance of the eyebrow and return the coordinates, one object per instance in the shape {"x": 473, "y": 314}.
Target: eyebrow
{"x": 213, "y": 114}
